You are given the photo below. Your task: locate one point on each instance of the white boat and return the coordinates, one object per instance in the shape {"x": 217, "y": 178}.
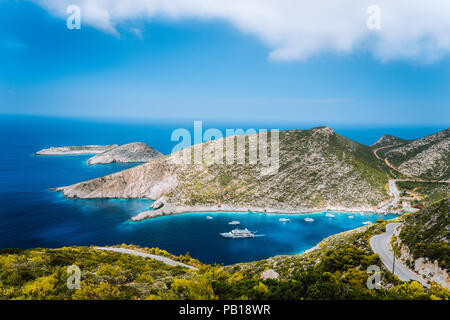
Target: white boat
{"x": 209, "y": 217}
{"x": 238, "y": 234}
{"x": 367, "y": 222}
{"x": 309, "y": 219}
{"x": 234, "y": 222}
{"x": 284, "y": 220}
{"x": 350, "y": 217}
{"x": 329, "y": 215}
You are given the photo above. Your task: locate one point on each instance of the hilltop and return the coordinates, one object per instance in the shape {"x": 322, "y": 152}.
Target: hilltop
{"x": 128, "y": 153}
{"x": 425, "y": 158}
{"x": 388, "y": 140}
{"x": 318, "y": 169}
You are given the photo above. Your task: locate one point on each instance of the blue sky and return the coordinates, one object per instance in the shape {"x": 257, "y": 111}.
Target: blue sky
{"x": 203, "y": 69}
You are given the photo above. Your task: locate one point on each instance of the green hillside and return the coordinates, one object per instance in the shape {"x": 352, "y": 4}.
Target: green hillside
{"x": 426, "y": 233}
{"x": 334, "y": 269}
{"x": 427, "y": 158}
{"x": 388, "y": 140}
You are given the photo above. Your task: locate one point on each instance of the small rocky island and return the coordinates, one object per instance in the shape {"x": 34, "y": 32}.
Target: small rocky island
{"x": 128, "y": 153}
{"x": 75, "y": 150}
{"x": 135, "y": 152}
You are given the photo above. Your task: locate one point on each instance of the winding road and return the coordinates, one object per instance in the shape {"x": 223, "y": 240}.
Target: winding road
{"x": 167, "y": 261}
{"x": 381, "y": 244}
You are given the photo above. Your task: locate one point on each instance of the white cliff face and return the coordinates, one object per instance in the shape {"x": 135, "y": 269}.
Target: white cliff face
{"x": 426, "y": 268}
{"x": 128, "y": 153}
{"x": 148, "y": 181}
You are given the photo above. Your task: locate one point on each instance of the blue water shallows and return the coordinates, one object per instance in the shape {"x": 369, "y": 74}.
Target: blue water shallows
{"x": 32, "y": 216}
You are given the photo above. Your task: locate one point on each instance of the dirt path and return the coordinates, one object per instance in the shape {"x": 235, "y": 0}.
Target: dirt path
{"x": 168, "y": 261}
{"x": 390, "y": 165}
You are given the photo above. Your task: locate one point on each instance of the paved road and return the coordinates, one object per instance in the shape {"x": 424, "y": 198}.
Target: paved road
{"x": 168, "y": 261}
{"x": 394, "y": 191}
{"x": 381, "y": 244}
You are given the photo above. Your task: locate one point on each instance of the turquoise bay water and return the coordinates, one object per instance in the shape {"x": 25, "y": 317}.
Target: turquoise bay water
{"x": 33, "y": 216}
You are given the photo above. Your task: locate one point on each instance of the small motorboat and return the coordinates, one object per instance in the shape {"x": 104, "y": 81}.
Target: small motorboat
{"x": 351, "y": 217}
{"x": 284, "y": 220}
{"x": 329, "y": 215}
{"x": 309, "y": 219}
{"x": 209, "y": 217}
{"x": 234, "y": 222}
{"x": 367, "y": 222}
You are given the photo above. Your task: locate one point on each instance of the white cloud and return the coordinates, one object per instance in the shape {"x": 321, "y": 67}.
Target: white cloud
{"x": 295, "y": 29}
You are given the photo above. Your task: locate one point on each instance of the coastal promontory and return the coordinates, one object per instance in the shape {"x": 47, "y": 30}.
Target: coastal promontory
{"x": 75, "y": 150}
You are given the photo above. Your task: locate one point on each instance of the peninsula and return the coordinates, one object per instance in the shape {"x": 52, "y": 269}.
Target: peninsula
{"x": 75, "y": 150}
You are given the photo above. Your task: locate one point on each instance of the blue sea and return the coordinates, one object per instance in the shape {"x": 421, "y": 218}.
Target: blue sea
{"x": 32, "y": 216}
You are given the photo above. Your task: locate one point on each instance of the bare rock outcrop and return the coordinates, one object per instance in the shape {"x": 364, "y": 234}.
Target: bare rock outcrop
{"x": 128, "y": 153}
{"x": 270, "y": 274}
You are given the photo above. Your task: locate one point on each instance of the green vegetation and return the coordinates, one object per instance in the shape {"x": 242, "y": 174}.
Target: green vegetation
{"x": 427, "y": 158}
{"x": 335, "y": 269}
{"x": 428, "y": 192}
{"x": 318, "y": 167}
{"x": 388, "y": 140}
{"x": 426, "y": 233}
